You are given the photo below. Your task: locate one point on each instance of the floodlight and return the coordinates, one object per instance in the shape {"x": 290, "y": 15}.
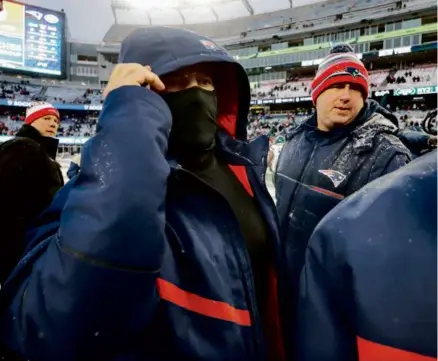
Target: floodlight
{"x": 154, "y": 4}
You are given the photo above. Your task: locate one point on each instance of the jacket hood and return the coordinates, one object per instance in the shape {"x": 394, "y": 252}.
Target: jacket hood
{"x": 167, "y": 49}
{"x": 376, "y": 120}
{"x": 373, "y": 107}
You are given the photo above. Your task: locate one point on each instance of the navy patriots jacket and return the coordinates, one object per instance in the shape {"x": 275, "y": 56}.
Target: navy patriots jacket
{"x": 369, "y": 286}
{"x": 137, "y": 259}
{"x": 316, "y": 170}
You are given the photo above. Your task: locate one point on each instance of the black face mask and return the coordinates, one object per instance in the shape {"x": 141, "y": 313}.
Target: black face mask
{"x": 194, "y": 126}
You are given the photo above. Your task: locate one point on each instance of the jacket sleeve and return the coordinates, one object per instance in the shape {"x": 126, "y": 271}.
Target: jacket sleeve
{"x": 415, "y": 141}
{"x": 323, "y": 332}
{"x": 392, "y": 156}
{"x": 74, "y": 167}
{"x": 396, "y": 162}
{"x": 73, "y": 170}
{"x": 92, "y": 292}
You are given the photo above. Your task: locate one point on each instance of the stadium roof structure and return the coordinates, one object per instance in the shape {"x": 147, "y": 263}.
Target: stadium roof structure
{"x": 181, "y": 12}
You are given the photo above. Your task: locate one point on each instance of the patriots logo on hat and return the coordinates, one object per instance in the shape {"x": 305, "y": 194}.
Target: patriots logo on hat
{"x": 209, "y": 44}
{"x": 336, "y": 177}
{"x": 353, "y": 71}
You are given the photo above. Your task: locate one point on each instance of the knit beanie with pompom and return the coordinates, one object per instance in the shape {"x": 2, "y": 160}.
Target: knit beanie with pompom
{"x": 341, "y": 66}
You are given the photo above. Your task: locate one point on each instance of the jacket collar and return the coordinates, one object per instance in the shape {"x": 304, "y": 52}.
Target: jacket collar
{"x": 50, "y": 145}
{"x": 364, "y": 135}
{"x": 372, "y": 120}
{"x": 239, "y": 152}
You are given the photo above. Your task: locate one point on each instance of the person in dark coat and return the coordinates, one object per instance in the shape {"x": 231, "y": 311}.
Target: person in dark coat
{"x": 421, "y": 140}
{"x": 164, "y": 246}
{"x": 369, "y": 285}
{"x": 29, "y": 178}
{"x": 348, "y": 142}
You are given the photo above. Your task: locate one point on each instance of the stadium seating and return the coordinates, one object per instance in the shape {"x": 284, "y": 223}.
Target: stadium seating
{"x": 22, "y": 90}
{"x": 415, "y": 76}
{"x": 285, "y": 22}
{"x": 61, "y": 94}
{"x": 378, "y": 81}
{"x": 70, "y": 127}
{"x": 272, "y": 125}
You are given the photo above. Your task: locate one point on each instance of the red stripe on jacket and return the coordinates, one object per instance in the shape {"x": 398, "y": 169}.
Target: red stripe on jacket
{"x": 204, "y": 306}
{"x": 372, "y": 351}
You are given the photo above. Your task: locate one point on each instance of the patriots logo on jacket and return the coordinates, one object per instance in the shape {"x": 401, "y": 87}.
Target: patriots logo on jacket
{"x": 336, "y": 177}
{"x": 209, "y": 45}
{"x": 353, "y": 71}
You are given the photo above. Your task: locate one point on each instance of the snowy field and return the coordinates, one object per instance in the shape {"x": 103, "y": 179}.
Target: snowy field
{"x": 64, "y": 160}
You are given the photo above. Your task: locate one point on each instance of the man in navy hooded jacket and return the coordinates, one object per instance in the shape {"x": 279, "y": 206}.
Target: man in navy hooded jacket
{"x": 167, "y": 240}
{"x": 369, "y": 286}
{"x": 348, "y": 142}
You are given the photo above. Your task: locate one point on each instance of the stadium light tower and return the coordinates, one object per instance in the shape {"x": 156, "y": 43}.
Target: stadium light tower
{"x": 182, "y": 15}
{"x": 248, "y": 7}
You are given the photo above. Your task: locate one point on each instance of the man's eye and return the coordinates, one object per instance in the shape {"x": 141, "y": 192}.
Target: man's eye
{"x": 206, "y": 81}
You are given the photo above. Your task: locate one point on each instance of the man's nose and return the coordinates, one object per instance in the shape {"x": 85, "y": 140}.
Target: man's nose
{"x": 192, "y": 82}
{"x": 346, "y": 93}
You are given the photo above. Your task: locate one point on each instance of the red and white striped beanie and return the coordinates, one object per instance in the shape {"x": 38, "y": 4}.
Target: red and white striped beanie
{"x": 340, "y": 66}
{"x": 39, "y": 110}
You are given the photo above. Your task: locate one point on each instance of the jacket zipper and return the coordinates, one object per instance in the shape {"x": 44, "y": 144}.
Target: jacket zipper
{"x": 247, "y": 265}
{"x": 278, "y": 260}
{"x": 300, "y": 180}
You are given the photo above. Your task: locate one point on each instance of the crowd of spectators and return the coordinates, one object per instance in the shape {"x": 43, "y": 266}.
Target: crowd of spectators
{"x": 76, "y": 125}
{"x": 391, "y": 79}
{"x": 293, "y": 87}
{"x": 90, "y": 96}
{"x": 413, "y": 76}
{"x": 272, "y": 125}
{"x": 407, "y": 77}
{"x": 276, "y": 125}
{"x": 12, "y": 90}
{"x": 379, "y": 80}
{"x": 24, "y": 90}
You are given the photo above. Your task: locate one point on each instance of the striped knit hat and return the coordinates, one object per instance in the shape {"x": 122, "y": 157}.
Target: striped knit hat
{"x": 340, "y": 66}
{"x": 39, "y": 110}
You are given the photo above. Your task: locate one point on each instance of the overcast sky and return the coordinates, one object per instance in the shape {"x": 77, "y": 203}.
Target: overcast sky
{"x": 89, "y": 20}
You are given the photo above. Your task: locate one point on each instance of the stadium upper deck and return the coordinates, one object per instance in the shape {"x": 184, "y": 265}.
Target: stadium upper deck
{"x": 293, "y": 20}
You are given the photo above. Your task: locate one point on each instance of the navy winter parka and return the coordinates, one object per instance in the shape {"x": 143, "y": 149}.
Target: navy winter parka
{"x": 369, "y": 285}
{"x": 138, "y": 259}
{"x": 316, "y": 170}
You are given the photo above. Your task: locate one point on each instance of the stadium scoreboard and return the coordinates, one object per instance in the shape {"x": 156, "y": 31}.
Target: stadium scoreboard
{"x": 32, "y": 39}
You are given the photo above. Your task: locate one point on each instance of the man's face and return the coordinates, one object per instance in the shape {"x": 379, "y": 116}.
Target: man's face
{"x": 199, "y": 75}
{"x": 339, "y": 105}
{"x": 47, "y": 125}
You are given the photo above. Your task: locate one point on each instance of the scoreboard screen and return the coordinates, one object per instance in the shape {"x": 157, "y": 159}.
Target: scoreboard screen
{"x": 32, "y": 39}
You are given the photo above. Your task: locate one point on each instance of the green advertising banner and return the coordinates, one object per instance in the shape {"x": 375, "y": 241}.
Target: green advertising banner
{"x": 423, "y": 29}
{"x": 415, "y": 91}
